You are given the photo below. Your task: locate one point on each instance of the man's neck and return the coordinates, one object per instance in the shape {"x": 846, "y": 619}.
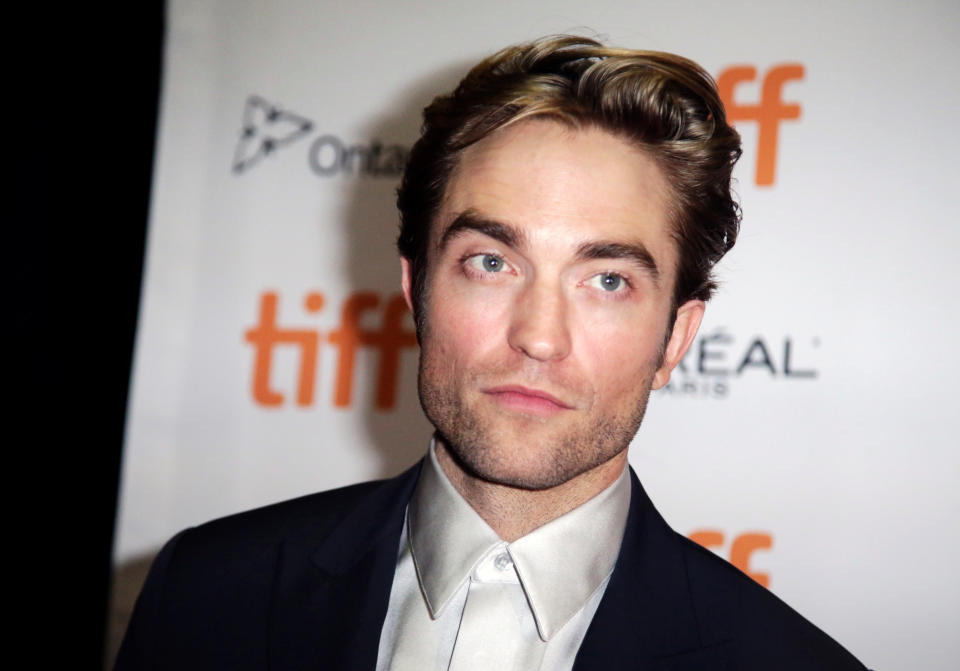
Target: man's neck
{"x": 513, "y": 512}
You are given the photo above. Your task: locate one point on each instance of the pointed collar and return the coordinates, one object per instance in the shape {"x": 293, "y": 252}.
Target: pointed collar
{"x": 560, "y": 564}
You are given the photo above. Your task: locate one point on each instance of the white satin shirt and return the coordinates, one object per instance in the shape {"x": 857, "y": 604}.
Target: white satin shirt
{"x": 463, "y": 599}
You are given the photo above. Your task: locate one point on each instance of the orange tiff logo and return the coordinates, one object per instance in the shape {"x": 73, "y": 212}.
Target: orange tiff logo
{"x": 767, "y": 113}
{"x": 389, "y": 340}
{"x": 741, "y": 549}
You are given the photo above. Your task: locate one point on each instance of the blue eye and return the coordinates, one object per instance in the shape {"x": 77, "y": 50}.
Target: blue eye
{"x": 487, "y": 263}
{"x": 491, "y": 263}
{"x": 610, "y": 282}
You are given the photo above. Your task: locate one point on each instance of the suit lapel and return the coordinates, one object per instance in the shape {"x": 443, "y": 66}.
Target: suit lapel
{"x": 331, "y": 595}
{"x": 646, "y": 619}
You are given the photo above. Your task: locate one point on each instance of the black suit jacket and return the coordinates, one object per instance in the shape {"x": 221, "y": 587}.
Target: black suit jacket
{"x": 305, "y": 584}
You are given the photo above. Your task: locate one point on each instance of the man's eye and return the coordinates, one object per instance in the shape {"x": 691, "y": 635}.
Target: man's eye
{"x": 488, "y": 263}
{"x": 608, "y": 282}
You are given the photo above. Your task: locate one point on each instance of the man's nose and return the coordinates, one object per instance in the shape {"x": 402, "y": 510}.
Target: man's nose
{"x": 538, "y": 326}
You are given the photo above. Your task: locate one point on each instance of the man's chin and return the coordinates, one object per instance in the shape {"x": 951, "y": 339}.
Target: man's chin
{"x": 521, "y": 467}
{"x": 534, "y": 480}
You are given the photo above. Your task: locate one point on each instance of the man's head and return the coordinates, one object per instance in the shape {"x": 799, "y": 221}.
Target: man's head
{"x": 557, "y": 241}
{"x": 662, "y": 103}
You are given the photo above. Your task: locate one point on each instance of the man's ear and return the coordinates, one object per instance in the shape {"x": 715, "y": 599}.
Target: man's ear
{"x": 684, "y": 331}
{"x": 406, "y": 280}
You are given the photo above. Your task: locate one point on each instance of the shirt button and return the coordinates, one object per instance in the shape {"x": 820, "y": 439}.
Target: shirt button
{"x": 502, "y": 561}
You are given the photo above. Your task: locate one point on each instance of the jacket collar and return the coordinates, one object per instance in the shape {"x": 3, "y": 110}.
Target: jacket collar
{"x": 375, "y": 519}
{"x": 331, "y": 589}
{"x": 647, "y": 613}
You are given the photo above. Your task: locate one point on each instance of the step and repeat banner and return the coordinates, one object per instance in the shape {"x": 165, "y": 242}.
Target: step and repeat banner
{"x": 810, "y": 435}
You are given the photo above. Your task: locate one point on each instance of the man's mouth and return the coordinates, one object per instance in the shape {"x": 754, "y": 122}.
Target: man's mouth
{"x": 527, "y": 400}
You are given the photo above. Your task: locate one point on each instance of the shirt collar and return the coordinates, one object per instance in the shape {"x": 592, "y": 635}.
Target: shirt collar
{"x": 560, "y": 564}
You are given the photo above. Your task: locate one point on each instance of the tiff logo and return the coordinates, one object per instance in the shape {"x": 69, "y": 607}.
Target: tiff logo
{"x": 767, "y": 113}
{"x": 389, "y": 340}
{"x": 742, "y": 548}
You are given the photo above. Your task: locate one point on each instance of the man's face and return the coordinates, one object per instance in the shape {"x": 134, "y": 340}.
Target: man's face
{"x": 547, "y": 303}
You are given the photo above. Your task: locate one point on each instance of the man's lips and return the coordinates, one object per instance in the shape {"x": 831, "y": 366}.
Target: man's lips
{"x": 528, "y": 400}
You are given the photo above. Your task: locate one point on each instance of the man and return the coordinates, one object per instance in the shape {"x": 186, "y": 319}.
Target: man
{"x": 561, "y": 214}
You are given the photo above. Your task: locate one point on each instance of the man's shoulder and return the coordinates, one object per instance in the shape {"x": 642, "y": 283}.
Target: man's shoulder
{"x": 247, "y": 542}
{"x": 729, "y": 605}
{"x": 215, "y": 588}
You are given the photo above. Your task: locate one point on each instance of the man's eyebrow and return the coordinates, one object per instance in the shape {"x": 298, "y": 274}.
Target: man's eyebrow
{"x": 635, "y": 252}
{"x": 471, "y": 220}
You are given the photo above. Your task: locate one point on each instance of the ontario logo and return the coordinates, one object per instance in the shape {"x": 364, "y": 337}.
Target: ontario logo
{"x": 265, "y": 129}
{"x": 268, "y": 127}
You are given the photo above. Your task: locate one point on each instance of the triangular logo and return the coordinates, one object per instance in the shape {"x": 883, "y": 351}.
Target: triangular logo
{"x": 265, "y": 129}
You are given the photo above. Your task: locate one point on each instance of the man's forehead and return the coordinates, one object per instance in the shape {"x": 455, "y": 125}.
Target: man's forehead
{"x": 538, "y": 182}
{"x": 539, "y": 170}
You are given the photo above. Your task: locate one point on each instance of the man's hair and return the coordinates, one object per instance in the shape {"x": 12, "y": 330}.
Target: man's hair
{"x": 662, "y": 103}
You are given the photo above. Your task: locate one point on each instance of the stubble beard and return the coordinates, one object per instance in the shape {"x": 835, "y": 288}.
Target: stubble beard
{"x": 482, "y": 444}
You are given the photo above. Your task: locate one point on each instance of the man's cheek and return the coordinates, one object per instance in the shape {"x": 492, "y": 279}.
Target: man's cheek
{"x": 612, "y": 349}
{"x": 450, "y": 348}
{"x": 476, "y": 325}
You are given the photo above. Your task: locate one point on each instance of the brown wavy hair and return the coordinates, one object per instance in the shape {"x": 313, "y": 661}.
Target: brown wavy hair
{"x": 665, "y": 104}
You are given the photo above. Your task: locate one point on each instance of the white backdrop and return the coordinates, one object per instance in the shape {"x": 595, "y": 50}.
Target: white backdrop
{"x": 813, "y": 434}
